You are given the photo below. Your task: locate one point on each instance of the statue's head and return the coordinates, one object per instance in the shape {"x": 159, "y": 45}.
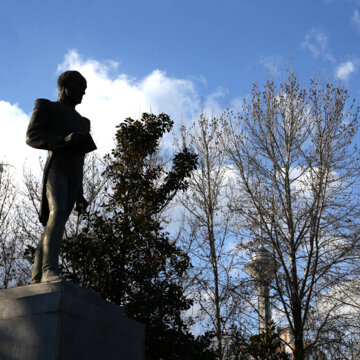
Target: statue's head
{"x": 72, "y": 86}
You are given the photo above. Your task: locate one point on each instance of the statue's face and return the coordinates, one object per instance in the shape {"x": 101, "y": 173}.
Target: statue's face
{"x": 75, "y": 91}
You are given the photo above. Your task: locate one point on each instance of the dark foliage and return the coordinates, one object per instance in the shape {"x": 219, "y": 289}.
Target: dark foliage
{"x": 123, "y": 252}
{"x": 267, "y": 345}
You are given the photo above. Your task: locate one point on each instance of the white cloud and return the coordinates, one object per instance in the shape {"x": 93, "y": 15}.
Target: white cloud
{"x": 317, "y": 42}
{"x": 355, "y": 20}
{"x": 271, "y": 63}
{"x": 344, "y": 70}
{"x": 212, "y": 105}
{"x": 109, "y": 100}
{"x": 13, "y": 149}
{"x": 342, "y": 299}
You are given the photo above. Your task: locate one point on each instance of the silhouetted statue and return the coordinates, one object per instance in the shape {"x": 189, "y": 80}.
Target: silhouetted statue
{"x": 60, "y": 129}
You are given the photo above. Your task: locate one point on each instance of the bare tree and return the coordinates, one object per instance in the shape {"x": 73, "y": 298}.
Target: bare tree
{"x": 11, "y": 246}
{"x": 27, "y": 220}
{"x": 207, "y": 227}
{"x": 298, "y": 174}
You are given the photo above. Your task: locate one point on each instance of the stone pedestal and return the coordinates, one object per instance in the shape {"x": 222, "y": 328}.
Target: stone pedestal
{"x": 63, "y": 321}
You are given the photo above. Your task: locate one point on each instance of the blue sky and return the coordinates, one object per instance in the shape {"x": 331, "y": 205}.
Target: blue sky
{"x": 165, "y": 55}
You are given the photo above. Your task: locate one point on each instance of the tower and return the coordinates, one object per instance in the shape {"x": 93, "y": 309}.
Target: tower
{"x": 262, "y": 268}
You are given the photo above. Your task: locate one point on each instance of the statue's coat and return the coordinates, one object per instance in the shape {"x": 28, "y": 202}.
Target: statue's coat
{"x": 49, "y": 125}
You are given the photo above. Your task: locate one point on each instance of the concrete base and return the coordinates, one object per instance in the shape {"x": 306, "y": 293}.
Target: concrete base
{"x": 63, "y": 321}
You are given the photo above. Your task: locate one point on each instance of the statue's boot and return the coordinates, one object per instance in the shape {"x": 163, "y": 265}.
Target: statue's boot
{"x": 37, "y": 268}
{"x": 51, "y": 246}
{"x": 51, "y": 276}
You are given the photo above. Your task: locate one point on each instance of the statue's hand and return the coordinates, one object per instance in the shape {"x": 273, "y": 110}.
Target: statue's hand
{"x": 75, "y": 137}
{"x": 81, "y": 205}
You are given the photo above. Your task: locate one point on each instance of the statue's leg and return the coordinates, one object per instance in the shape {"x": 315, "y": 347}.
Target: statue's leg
{"x": 37, "y": 268}
{"x": 61, "y": 192}
{"x": 56, "y": 193}
{"x": 52, "y": 245}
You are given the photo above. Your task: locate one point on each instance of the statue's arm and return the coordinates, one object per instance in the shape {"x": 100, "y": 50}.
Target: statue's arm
{"x": 81, "y": 202}
{"x": 37, "y": 135}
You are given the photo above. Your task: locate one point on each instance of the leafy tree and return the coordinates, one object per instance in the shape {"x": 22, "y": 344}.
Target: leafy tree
{"x": 267, "y": 345}
{"x": 123, "y": 252}
{"x": 298, "y": 172}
